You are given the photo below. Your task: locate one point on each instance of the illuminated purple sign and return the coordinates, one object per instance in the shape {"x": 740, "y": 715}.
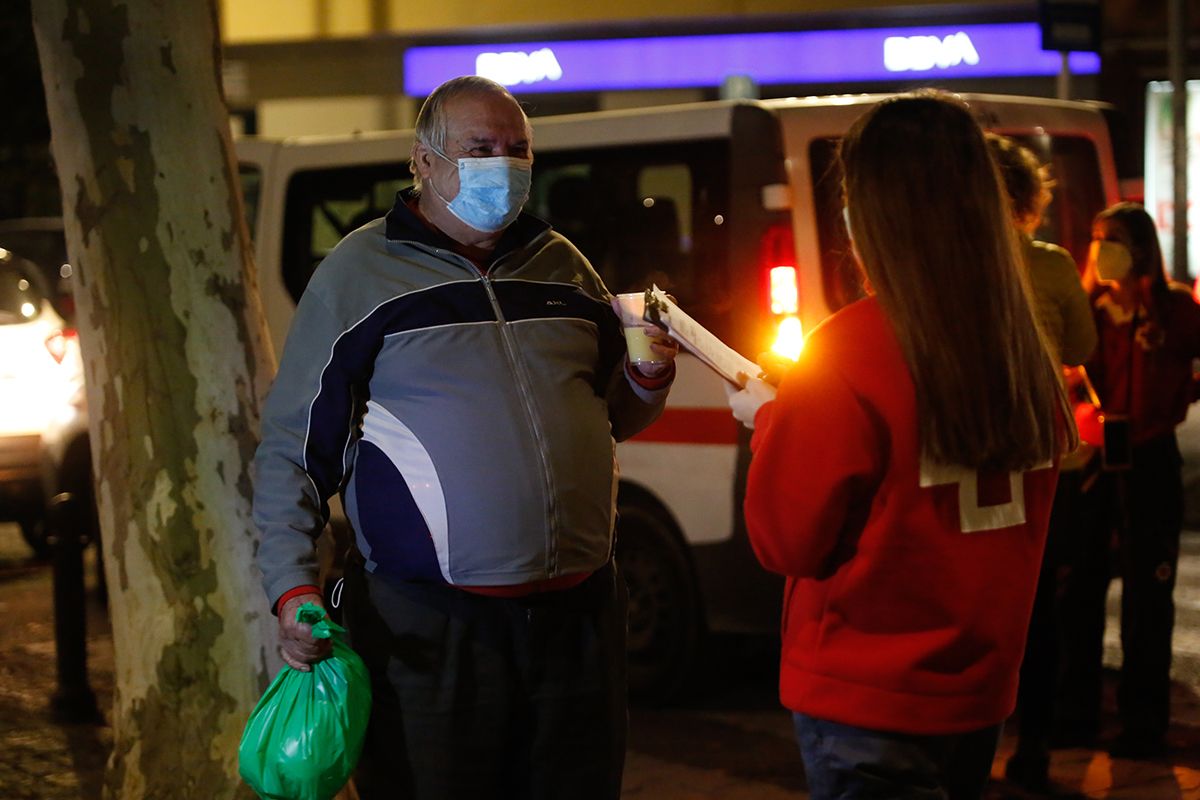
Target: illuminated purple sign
{"x": 664, "y": 62}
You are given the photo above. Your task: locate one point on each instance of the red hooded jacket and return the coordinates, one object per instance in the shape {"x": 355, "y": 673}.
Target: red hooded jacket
{"x": 909, "y": 586}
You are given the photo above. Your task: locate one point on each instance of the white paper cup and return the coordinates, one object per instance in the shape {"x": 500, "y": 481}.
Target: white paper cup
{"x": 637, "y": 342}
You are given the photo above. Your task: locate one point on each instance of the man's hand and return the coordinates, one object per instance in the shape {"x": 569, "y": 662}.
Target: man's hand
{"x": 747, "y": 401}
{"x": 298, "y": 647}
{"x": 664, "y": 347}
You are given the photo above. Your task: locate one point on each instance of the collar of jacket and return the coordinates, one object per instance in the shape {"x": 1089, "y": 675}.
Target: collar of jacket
{"x": 404, "y": 225}
{"x": 1118, "y": 314}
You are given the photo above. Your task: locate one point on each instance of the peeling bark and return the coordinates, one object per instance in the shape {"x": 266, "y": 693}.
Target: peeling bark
{"x": 177, "y": 361}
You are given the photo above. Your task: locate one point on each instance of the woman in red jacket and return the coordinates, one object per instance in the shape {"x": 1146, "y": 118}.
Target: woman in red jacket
{"x": 1142, "y": 370}
{"x": 902, "y": 478}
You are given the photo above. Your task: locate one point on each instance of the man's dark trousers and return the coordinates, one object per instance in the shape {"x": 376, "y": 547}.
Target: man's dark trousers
{"x": 478, "y": 696}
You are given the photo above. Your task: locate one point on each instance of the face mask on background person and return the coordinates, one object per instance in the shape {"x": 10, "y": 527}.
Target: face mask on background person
{"x": 491, "y": 191}
{"x": 1112, "y": 259}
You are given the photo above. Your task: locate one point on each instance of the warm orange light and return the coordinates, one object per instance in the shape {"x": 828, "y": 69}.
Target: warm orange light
{"x": 785, "y": 298}
{"x": 789, "y": 340}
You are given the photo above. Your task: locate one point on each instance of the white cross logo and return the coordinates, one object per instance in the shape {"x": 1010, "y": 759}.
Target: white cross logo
{"x": 971, "y": 515}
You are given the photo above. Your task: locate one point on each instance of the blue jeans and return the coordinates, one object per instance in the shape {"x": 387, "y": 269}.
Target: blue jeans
{"x": 843, "y": 762}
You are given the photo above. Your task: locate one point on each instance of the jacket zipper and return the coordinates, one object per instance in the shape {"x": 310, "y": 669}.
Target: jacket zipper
{"x": 526, "y": 391}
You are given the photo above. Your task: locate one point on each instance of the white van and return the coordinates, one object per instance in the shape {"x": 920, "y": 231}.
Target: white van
{"x": 733, "y": 207}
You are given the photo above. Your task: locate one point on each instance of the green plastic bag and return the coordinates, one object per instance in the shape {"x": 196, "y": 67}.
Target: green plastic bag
{"x": 304, "y": 737}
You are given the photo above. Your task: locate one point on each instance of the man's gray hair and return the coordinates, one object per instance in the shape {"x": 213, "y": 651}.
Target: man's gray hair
{"x": 430, "y": 127}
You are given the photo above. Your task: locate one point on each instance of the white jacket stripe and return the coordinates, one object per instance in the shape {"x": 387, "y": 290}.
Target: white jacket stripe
{"x": 411, "y": 459}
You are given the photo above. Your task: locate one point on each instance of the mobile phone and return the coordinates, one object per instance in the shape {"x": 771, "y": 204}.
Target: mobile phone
{"x": 1117, "y": 453}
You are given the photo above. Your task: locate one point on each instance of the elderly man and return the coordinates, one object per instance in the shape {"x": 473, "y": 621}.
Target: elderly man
{"x": 455, "y": 371}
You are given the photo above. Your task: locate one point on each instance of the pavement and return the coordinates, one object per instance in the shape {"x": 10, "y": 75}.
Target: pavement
{"x": 734, "y": 753}
{"x": 42, "y": 758}
{"x": 750, "y": 755}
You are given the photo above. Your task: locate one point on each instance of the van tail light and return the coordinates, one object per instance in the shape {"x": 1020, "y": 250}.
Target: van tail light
{"x": 782, "y": 290}
{"x": 785, "y": 297}
{"x": 58, "y": 342}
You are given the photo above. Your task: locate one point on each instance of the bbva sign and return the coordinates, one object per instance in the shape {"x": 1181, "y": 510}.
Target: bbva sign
{"x": 513, "y": 67}
{"x": 921, "y": 53}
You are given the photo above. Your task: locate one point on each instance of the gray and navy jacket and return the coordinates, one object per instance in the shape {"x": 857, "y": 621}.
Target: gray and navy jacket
{"x": 468, "y": 420}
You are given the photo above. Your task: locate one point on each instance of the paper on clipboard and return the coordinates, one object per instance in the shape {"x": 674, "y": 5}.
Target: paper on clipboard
{"x": 696, "y": 339}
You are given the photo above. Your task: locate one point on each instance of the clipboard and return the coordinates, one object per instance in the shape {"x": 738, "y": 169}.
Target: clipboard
{"x": 722, "y": 359}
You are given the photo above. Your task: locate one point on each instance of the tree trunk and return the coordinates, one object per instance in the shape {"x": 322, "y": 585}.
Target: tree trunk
{"x": 177, "y": 360}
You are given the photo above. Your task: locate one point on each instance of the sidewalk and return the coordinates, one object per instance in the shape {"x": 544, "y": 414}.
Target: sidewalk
{"x": 1080, "y": 773}
{"x": 752, "y": 756}
{"x": 41, "y": 759}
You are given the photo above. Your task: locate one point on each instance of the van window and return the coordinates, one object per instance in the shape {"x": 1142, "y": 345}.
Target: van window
{"x": 653, "y": 214}
{"x": 323, "y": 205}
{"x": 1078, "y": 197}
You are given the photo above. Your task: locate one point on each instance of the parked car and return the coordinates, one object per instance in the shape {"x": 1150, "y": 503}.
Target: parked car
{"x": 41, "y": 373}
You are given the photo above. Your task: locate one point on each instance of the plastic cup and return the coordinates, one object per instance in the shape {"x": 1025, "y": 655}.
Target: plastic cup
{"x": 637, "y": 342}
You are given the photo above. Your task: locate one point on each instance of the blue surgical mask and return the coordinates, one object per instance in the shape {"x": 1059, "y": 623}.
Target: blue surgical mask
{"x": 491, "y": 191}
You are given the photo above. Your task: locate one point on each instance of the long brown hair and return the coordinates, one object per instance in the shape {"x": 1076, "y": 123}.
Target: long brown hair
{"x": 932, "y": 227}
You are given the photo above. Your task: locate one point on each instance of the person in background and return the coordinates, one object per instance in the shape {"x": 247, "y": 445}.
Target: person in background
{"x": 1062, "y": 305}
{"x": 456, "y": 372}
{"x": 1065, "y": 314}
{"x": 902, "y": 475}
{"x": 1142, "y": 370}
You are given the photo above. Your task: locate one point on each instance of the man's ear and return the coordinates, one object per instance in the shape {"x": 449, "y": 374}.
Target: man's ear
{"x": 422, "y": 157}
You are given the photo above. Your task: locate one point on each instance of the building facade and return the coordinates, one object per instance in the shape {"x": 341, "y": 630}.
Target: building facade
{"x": 295, "y": 67}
